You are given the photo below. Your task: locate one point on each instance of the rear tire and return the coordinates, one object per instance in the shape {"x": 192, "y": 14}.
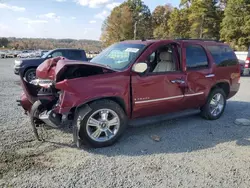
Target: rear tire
{"x": 215, "y": 105}
{"x": 102, "y": 126}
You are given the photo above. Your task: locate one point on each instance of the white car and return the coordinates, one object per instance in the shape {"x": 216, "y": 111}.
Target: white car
{"x": 2, "y": 55}
{"x": 24, "y": 55}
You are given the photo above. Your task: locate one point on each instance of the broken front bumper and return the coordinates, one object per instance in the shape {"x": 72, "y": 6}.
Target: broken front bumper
{"x": 25, "y": 103}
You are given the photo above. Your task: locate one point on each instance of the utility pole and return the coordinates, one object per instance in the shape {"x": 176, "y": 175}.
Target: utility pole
{"x": 135, "y": 30}
{"x": 201, "y": 29}
{"x": 135, "y": 25}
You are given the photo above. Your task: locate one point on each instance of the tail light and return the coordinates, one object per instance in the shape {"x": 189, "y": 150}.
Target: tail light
{"x": 247, "y": 63}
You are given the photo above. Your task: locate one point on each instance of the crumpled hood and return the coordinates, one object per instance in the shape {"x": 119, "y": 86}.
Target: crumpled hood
{"x": 50, "y": 68}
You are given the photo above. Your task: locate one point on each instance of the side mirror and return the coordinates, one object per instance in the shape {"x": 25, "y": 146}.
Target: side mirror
{"x": 140, "y": 67}
{"x": 49, "y": 56}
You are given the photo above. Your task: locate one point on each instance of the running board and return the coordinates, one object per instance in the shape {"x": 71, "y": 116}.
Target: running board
{"x": 160, "y": 118}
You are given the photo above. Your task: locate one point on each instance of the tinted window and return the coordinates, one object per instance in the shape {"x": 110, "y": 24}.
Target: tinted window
{"x": 56, "y": 54}
{"x": 74, "y": 55}
{"x": 196, "y": 57}
{"x": 223, "y": 55}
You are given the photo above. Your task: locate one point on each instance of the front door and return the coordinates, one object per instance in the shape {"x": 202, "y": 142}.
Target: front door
{"x": 158, "y": 91}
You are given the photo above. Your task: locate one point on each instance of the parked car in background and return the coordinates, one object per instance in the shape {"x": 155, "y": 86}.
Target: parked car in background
{"x": 10, "y": 54}
{"x": 242, "y": 66}
{"x": 27, "y": 67}
{"x": 24, "y": 54}
{"x": 247, "y": 64}
{"x": 136, "y": 81}
{"x": 2, "y": 54}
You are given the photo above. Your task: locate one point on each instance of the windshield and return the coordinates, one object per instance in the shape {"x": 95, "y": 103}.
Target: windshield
{"x": 118, "y": 56}
{"x": 46, "y": 54}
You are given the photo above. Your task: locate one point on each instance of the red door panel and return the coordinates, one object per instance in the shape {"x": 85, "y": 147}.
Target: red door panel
{"x": 199, "y": 81}
{"x": 156, "y": 94}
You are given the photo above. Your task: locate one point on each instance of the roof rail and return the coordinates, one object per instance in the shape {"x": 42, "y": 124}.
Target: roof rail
{"x": 203, "y": 40}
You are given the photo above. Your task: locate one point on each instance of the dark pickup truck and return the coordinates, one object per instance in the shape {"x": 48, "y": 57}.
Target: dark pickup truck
{"x": 27, "y": 67}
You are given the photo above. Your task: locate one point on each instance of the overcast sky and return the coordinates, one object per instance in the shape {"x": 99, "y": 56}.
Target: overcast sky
{"x": 77, "y": 19}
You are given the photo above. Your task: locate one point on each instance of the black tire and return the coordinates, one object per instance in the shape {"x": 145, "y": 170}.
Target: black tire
{"x": 80, "y": 124}
{"x": 29, "y": 74}
{"x": 205, "y": 110}
{"x": 36, "y": 108}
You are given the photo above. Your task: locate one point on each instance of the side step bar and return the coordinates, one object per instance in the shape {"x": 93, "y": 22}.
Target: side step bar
{"x": 160, "y": 118}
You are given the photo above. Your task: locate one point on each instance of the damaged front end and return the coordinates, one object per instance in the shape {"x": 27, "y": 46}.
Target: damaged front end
{"x": 49, "y": 100}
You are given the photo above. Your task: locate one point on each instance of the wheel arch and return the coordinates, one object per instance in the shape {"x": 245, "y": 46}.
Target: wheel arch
{"x": 120, "y": 101}
{"x": 223, "y": 85}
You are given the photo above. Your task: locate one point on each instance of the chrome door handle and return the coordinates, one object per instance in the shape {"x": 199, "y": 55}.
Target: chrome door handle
{"x": 177, "y": 81}
{"x": 210, "y": 75}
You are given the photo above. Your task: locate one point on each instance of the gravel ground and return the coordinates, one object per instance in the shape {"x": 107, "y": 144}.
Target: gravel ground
{"x": 192, "y": 152}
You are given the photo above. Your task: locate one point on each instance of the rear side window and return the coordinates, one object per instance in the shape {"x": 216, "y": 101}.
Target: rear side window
{"x": 223, "y": 55}
{"x": 74, "y": 55}
{"x": 196, "y": 57}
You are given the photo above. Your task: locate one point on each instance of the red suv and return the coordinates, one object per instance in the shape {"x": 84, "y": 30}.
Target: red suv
{"x": 131, "y": 80}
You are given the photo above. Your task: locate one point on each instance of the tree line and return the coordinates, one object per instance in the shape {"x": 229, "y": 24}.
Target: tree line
{"x": 225, "y": 20}
{"x": 48, "y": 44}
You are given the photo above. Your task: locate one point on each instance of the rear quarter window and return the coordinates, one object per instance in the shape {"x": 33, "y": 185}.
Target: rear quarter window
{"x": 223, "y": 55}
{"x": 74, "y": 55}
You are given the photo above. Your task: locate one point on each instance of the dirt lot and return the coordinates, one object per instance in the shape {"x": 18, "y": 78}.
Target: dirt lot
{"x": 192, "y": 152}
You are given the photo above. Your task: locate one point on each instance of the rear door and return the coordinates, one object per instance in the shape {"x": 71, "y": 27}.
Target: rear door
{"x": 200, "y": 77}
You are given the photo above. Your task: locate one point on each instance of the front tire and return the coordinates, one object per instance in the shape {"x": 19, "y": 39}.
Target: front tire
{"x": 103, "y": 124}
{"x": 30, "y": 75}
{"x": 36, "y": 109}
{"x": 215, "y": 105}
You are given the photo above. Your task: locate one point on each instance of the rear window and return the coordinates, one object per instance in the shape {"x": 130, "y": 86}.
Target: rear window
{"x": 223, "y": 55}
{"x": 74, "y": 55}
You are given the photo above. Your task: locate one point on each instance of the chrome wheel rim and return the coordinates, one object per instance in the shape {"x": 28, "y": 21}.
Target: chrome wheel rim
{"x": 31, "y": 76}
{"x": 103, "y": 125}
{"x": 217, "y": 104}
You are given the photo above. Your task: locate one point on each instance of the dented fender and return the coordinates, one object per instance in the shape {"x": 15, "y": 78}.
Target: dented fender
{"x": 79, "y": 91}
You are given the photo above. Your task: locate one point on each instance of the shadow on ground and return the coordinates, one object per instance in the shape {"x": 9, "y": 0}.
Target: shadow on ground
{"x": 185, "y": 134}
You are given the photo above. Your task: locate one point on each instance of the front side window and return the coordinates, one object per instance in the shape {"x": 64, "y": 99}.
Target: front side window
{"x": 223, "y": 55}
{"x": 196, "y": 57}
{"x": 119, "y": 56}
{"x": 162, "y": 60}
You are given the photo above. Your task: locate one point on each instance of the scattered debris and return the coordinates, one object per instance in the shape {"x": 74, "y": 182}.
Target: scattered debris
{"x": 156, "y": 138}
{"x": 242, "y": 121}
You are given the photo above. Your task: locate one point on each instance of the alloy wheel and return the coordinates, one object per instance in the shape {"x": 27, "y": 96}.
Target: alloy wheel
{"x": 31, "y": 76}
{"x": 103, "y": 125}
{"x": 217, "y": 104}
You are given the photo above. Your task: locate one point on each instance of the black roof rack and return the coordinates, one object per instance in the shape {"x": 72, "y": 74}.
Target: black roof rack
{"x": 203, "y": 40}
